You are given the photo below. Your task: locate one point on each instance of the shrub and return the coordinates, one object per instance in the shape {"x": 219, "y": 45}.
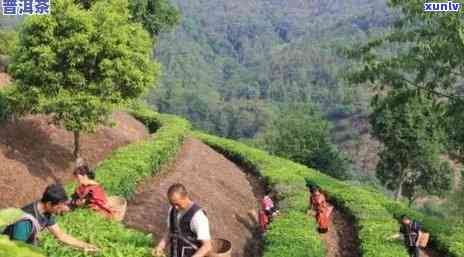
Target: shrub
{"x": 112, "y": 237}
{"x": 5, "y": 109}
{"x": 447, "y": 236}
{"x": 373, "y": 221}
{"x": 127, "y": 166}
{"x": 119, "y": 175}
{"x": 293, "y": 233}
{"x": 14, "y": 249}
{"x": 17, "y": 249}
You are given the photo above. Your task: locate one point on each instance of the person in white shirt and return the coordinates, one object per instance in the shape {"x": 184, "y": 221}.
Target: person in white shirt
{"x": 188, "y": 227}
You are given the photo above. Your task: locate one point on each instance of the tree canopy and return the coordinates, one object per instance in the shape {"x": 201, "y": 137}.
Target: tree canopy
{"x": 299, "y": 133}
{"x": 423, "y": 50}
{"x": 7, "y": 41}
{"x": 410, "y": 126}
{"x": 156, "y": 15}
{"x": 416, "y": 71}
{"x": 78, "y": 64}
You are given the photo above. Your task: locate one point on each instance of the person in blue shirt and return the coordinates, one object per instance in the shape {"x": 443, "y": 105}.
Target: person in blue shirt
{"x": 39, "y": 215}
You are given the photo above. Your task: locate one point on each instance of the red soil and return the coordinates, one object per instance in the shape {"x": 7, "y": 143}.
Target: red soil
{"x": 228, "y": 195}
{"x": 35, "y": 153}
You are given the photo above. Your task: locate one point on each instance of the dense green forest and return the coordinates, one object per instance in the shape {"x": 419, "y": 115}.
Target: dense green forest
{"x": 276, "y": 75}
{"x": 231, "y": 66}
{"x": 321, "y": 83}
{"x": 234, "y": 68}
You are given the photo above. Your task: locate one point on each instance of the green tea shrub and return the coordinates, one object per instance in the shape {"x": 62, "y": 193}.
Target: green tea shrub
{"x": 112, "y": 237}
{"x": 17, "y": 249}
{"x": 127, "y": 166}
{"x": 14, "y": 249}
{"x": 293, "y": 233}
{"x": 5, "y": 109}
{"x": 447, "y": 235}
{"x": 372, "y": 220}
{"x": 119, "y": 175}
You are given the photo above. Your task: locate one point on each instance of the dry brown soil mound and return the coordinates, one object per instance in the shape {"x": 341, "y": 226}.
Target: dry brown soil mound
{"x": 228, "y": 195}
{"x": 34, "y": 153}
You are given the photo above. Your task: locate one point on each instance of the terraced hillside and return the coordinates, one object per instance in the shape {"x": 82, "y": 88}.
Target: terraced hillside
{"x": 293, "y": 232}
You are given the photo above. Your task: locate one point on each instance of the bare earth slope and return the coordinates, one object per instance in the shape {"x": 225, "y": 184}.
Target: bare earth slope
{"x": 228, "y": 195}
{"x": 34, "y": 153}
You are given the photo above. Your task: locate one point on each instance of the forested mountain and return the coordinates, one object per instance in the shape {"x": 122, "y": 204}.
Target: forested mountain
{"x": 236, "y": 68}
{"x": 231, "y": 65}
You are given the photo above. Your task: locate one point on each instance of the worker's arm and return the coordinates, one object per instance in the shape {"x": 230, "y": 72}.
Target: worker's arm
{"x": 158, "y": 251}
{"x": 71, "y": 241}
{"x": 204, "y": 249}
{"x": 395, "y": 236}
{"x": 200, "y": 225}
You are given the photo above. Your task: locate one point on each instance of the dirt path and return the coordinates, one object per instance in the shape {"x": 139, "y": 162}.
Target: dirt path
{"x": 228, "y": 195}
{"x": 341, "y": 240}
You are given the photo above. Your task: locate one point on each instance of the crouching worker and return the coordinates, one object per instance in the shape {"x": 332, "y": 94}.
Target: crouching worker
{"x": 188, "y": 227}
{"x": 40, "y": 215}
{"x": 268, "y": 211}
{"x": 90, "y": 193}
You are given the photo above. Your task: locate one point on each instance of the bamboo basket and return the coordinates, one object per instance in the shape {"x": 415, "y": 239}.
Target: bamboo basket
{"x": 119, "y": 206}
{"x": 423, "y": 239}
{"x": 221, "y": 248}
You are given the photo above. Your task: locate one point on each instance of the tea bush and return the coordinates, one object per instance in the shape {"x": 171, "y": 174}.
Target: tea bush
{"x": 111, "y": 237}
{"x": 291, "y": 234}
{"x": 14, "y": 249}
{"x": 5, "y": 110}
{"x": 447, "y": 236}
{"x": 17, "y": 249}
{"x": 119, "y": 175}
{"x": 127, "y": 166}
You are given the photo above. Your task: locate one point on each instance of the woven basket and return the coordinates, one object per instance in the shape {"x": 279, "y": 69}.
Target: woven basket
{"x": 423, "y": 239}
{"x": 221, "y": 248}
{"x": 119, "y": 206}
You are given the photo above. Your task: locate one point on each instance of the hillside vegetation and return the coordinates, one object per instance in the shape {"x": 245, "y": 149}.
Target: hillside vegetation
{"x": 231, "y": 65}
{"x": 234, "y": 69}
{"x": 269, "y": 73}
{"x": 292, "y": 234}
{"x": 375, "y": 215}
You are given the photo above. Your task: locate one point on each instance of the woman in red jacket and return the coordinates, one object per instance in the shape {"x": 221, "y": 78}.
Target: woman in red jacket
{"x": 90, "y": 193}
{"x": 320, "y": 208}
